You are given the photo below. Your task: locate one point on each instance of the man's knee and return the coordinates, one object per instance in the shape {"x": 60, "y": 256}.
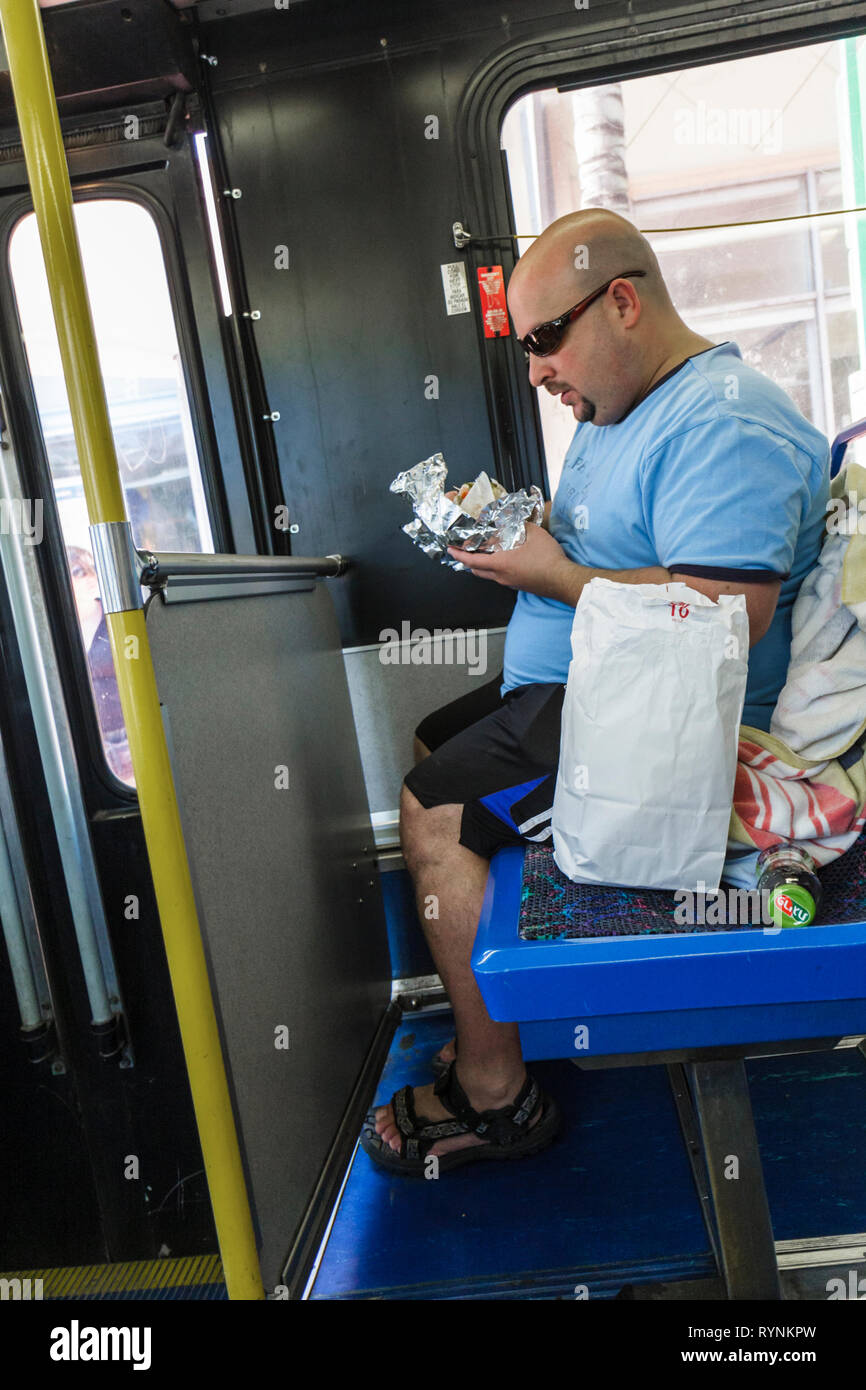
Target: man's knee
{"x": 426, "y": 832}
{"x": 417, "y": 822}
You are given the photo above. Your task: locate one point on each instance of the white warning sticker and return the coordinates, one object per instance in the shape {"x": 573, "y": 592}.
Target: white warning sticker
{"x": 456, "y": 288}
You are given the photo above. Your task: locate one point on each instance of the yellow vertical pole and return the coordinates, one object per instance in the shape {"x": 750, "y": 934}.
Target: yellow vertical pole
{"x": 52, "y": 200}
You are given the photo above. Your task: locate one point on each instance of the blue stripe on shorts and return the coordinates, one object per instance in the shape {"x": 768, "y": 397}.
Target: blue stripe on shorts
{"x": 500, "y": 803}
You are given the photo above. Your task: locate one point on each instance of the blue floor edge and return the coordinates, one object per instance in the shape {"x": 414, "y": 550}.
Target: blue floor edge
{"x": 572, "y": 1285}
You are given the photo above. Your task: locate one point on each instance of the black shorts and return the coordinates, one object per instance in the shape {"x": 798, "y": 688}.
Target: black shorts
{"x": 497, "y": 757}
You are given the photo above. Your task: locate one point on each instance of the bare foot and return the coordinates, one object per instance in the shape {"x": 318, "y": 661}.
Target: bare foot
{"x": 429, "y": 1109}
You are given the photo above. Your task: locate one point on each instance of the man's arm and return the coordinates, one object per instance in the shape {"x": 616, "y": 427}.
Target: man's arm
{"x": 541, "y": 566}
{"x": 730, "y": 493}
{"x": 761, "y": 599}
{"x": 569, "y": 584}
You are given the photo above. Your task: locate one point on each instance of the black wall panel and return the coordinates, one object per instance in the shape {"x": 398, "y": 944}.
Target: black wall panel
{"x": 336, "y": 167}
{"x": 322, "y": 113}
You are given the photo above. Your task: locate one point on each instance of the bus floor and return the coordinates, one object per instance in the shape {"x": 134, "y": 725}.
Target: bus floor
{"x": 612, "y": 1202}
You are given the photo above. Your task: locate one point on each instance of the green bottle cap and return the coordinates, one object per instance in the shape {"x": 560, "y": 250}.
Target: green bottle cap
{"x": 792, "y": 905}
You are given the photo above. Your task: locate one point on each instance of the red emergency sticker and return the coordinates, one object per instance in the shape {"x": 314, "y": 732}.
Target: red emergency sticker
{"x": 494, "y": 314}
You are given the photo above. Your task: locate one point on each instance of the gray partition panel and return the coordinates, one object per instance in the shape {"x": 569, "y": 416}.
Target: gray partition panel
{"x": 285, "y": 881}
{"x": 390, "y": 700}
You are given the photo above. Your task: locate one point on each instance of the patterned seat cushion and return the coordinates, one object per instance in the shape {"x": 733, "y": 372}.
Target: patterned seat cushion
{"x": 553, "y": 907}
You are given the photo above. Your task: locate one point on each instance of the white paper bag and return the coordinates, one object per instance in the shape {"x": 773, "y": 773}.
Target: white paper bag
{"x": 650, "y": 726}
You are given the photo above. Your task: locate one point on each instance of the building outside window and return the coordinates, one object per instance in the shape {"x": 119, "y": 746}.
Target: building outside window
{"x": 714, "y": 164}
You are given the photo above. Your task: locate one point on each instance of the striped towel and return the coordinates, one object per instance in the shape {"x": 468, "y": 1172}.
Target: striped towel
{"x": 805, "y": 781}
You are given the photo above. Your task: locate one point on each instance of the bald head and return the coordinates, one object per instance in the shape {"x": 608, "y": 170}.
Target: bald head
{"x": 574, "y": 256}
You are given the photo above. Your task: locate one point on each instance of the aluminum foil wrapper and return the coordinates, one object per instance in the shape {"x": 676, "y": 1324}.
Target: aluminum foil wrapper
{"x": 439, "y": 522}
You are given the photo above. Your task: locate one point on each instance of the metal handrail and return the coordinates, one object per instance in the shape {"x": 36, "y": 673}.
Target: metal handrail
{"x": 155, "y": 569}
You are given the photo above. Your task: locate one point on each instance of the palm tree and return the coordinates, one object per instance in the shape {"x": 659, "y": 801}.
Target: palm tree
{"x": 599, "y": 142}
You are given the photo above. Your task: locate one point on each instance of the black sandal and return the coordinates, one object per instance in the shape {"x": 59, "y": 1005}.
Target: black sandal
{"x": 506, "y": 1130}
{"x": 438, "y": 1065}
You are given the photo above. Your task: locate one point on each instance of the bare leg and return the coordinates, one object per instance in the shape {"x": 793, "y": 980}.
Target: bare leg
{"x": 449, "y": 1051}
{"x": 449, "y": 885}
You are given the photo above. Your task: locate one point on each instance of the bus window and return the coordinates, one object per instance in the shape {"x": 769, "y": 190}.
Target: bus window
{"x": 703, "y": 178}
{"x": 148, "y": 406}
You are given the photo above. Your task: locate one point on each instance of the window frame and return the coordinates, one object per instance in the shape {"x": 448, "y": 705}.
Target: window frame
{"x": 150, "y": 184}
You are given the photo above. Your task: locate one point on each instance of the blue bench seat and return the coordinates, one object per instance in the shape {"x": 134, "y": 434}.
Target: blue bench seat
{"x": 664, "y": 987}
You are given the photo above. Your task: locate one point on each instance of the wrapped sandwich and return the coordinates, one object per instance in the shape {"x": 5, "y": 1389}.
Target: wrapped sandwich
{"x": 472, "y": 498}
{"x": 481, "y": 516}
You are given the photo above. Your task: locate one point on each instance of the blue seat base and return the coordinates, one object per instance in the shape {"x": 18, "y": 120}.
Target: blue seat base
{"x": 663, "y": 992}
{"x": 687, "y": 1030}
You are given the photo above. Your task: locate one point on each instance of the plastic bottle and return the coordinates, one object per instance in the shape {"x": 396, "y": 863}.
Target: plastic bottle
{"x": 789, "y": 876}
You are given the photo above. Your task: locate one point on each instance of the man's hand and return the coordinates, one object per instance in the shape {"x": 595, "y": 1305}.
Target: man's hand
{"x": 539, "y": 566}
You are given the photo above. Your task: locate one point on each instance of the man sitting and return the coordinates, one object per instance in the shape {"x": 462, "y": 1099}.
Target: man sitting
{"x": 686, "y": 465}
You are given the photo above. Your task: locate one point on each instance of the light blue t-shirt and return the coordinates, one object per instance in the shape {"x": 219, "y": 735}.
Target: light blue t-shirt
{"x": 715, "y": 469}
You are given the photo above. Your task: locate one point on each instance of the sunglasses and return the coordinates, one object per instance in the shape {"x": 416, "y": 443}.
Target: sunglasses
{"x": 546, "y": 338}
